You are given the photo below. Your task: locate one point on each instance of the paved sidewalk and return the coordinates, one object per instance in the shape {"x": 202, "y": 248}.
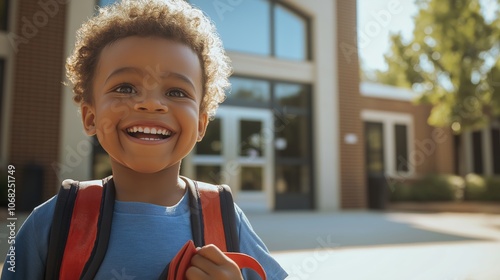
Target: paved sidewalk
{"x": 385, "y": 246}
{"x": 363, "y": 245}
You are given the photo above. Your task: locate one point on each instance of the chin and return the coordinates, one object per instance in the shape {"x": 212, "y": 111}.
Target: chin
{"x": 147, "y": 167}
{"x": 146, "y": 170}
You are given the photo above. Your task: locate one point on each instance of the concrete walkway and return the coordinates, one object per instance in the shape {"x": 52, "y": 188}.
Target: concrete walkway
{"x": 363, "y": 245}
{"x": 385, "y": 246}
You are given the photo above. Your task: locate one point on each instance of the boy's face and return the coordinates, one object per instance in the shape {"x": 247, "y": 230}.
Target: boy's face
{"x": 146, "y": 103}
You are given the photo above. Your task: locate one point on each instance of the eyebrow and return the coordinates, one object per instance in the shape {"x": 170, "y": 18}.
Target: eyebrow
{"x": 135, "y": 70}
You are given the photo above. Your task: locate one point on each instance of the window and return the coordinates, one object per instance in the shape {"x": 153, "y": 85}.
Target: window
{"x": 211, "y": 144}
{"x": 374, "y": 137}
{"x": 477, "y": 151}
{"x": 389, "y": 143}
{"x": 208, "y": 173}
{"x": 259, "y": 27}
{"x": 249, "y": 92}
{"x": 250, "y": 18}
{"x": 290, "y": 104}
{"x": 4, "y": 15}
{"x": 401, "y": 140}
{"x": 290, "y": 35}
{"x": 290, "y": 95}
{"x": 495, "y": 147}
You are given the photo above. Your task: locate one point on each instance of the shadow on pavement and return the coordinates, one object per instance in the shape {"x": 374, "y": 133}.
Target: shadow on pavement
{"x": 302, "y": 230}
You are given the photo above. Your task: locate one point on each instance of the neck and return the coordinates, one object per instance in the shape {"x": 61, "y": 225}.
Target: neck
{"x": 161, "y": 188}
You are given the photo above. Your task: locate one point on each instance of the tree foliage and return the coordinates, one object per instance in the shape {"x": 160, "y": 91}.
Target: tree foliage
{"x": 452, "y": 62}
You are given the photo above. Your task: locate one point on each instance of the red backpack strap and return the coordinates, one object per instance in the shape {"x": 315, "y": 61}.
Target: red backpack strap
{"x": 213, "y": 221}
{"x": 80, "y": 229}
{"x": 213, "y": 226}
{"x": 213, "y": 217}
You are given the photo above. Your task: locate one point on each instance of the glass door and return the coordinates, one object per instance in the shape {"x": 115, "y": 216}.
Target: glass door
{"x": 374, "y": 149}
{"x": 237, "y": 151}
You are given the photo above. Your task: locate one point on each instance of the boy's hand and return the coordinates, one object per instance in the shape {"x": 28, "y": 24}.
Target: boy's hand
{"x": 211, "y": 263}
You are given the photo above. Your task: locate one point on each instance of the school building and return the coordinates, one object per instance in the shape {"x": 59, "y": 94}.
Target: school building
{"x": 298, "y": 131}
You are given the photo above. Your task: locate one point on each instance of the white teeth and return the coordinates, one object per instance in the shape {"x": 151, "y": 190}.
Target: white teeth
{"x": 149, "y": 130}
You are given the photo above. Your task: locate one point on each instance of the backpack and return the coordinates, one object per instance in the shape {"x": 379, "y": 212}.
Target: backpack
{"x": 81, "y": 228}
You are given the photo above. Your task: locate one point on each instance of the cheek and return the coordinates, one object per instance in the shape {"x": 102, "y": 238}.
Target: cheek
{"x": 190, "y": 121}
{"x": 105, "y": 126}
{"x": 110, "y": 113}
{"x": 120, "y": 108}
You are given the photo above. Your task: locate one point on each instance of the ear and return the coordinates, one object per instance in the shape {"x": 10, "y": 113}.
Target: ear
{"x": 202, "y": 125}
{"x": 88, "y": 119}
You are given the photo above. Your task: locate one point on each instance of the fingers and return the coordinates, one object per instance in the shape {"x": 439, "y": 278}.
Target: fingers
{"x": 194, "y": 273}
{"x": 211, "y": 263}
{"x": 211, "y": 252}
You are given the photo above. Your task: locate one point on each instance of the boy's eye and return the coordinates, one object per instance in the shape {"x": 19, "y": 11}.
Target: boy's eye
{"x": 176, "y": 93}
{"x": 125, "y": 89}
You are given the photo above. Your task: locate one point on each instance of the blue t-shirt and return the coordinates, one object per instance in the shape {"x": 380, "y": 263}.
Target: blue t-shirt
{"x": 144, "y": 238}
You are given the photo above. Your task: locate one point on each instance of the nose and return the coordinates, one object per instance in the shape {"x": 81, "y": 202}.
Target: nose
{"x": 151, "y": 103}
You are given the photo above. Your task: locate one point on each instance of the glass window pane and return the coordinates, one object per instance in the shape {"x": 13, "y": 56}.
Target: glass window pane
{"x": 477, "y": 143}
{"x": 211, "y": 143}
{"x": 252, "y": 143}
{"x": 249, "y": 90}
{"x": 292, "y": 179}
{"x": 251, "y": 178}
{"x": 401, "y": 147}
{"x": 295, "y": 95}
{"x": 209, "y": 174}
{"x": 292, "y": 136}
{"x": 374, "y": 147}
{"x": 290, "y": 35}
{"x": 243, "y": 25}
{"x": 4, "y": 12}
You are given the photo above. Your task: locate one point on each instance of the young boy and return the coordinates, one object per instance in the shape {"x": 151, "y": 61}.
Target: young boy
{"x": 148, "y": 76}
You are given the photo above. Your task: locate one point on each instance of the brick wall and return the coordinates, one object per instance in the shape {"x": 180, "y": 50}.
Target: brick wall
{"x": 38, "y": 73}
{"x": 352, "y": 163}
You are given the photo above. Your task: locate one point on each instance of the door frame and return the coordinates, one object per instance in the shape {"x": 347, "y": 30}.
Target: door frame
{"x": 231, "y": 162}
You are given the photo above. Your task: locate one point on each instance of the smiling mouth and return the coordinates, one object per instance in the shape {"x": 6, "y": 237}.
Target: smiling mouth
{"x": 149, "y": 133}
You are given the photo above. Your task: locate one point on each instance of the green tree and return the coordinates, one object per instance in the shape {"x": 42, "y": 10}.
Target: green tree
{"x": 452, "y": 62}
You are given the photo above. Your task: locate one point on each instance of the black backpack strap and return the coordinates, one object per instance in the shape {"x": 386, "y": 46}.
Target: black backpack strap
{"x": 196, "y": 216}
{"x": 229, "y": 218}
{"x": 227, "y": 211}
{"x": 103, "y": 230}
{"x": 61, "y": 224}
{"x": 60, "y": 228}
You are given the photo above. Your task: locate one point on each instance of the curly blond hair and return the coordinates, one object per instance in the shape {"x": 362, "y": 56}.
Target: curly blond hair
{"x": 172, "y": 19}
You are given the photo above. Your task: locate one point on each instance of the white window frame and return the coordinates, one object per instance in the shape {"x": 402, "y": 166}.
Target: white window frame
{"x": 389, "y": 120}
